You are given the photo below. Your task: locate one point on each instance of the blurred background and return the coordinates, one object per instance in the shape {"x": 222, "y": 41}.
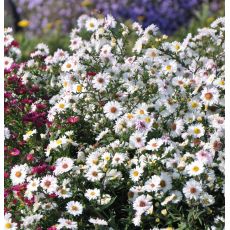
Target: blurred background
{"x": 50, "y": 21}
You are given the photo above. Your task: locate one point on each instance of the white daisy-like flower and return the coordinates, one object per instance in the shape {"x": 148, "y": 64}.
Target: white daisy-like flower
{"x": 207, "y": 200}
{"x": 142, "y": 203}
{"x": 6, "y": 133}
{"x": 105, "y": 52}
{"x": 154, "y": 144}
{"x": 141, "y": 109}
{"x": 105, "y": 199}
{"x": 165, "y": 182}
{"x": 98, "y": 221}
{"x": 219, "y": 82}
{"x": 64, "y": 192}
{"x": 100, "y": 81}
{"x": 49, "y": 183}
{"x": 137, "y": 219}
{"x": 8, "y": 62}
{"x": 33, "y": 184}
{"x": 196, "y": 130}
{"x": 192, "y": 189}
{"x": 152, "y": 184}
{"x": 92, "y": 194}
{"x": 137, "y": 140}
{"x": 210, "y": 96}
{"x": 151, "y": 53}
{"x": 66, "y": 223}
{"x": 67, "y": 66}
{"x": 118, "y": 159}
{"x": 78, "y": 88}
{"x": 18, "y": 174}
{"x": 63, "y": 164}
{"x": 170, "y": 67}
{"x": 195, "y": 168}
{"x": 76, "y": 43}
{"x": 28, "y": 134}
{"x": 43, "y": 47}
{"x": 91, "y": 24}
{"x": 194, "y": 105}
{"x": 205, "y": 157}
{"x": 74, "y": 208}
{"x": 8, "y": 224}
{"x": 112, "y": 110}
{"x": 30, "y": 220}
{"x": 136, "y": 173}
{"x": 177, "y": 127}
{"x": 94, "y": 174}
{"x": 177, "y": 196}
{"x": 176, "y": 47}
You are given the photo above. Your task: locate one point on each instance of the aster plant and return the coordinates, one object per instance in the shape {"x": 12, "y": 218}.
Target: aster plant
{"x": 135, "y": 138}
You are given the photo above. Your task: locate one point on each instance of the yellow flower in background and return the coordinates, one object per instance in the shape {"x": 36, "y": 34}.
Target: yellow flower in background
{"x": 86, "y": 3}
{"x": 23, "y": 23}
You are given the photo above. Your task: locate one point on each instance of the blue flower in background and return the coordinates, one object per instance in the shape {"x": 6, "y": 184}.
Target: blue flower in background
{"x": 168, "y": 15}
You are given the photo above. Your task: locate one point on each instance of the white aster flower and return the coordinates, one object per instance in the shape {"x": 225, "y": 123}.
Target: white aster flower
{"x": 62, "y": 165}
{"x": 100, "y": 81}
{"x": 8, "y": 224}
{"x": 49, "y": 183}
{"x": 196, "y": 130}
{"x": 210, "y": 96}
{"x": 92, "y": 194}
{"x": 18, "y": 174}
{"x": 136, "y": 173}
{"x": 98, "y": 221}
{"x": 192, "y": 189}
{"x": 142, "y": 203}
{"x": 112, "y": 110}
{"x": 154, "y": 144}
{"x": 91, "y": 24}
{"x": 74, "y": 208}
{"x": 195, "y": 168}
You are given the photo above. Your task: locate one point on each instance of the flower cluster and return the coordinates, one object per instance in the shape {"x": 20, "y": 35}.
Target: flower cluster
{"x": 168, "y": 15}
{"x": 135, "y": 132}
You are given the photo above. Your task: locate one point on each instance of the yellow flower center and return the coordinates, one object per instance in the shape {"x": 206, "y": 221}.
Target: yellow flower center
{"x": 29, "y": 132}
{"x": 147, "y": 119}
{"x": 195, "y": 169}
{"x": 59, "y": 142}
{"x": 65, "y": 84}
{"x": 194, "y": 104}
{"x": 61, "y": 106}
{"x": 74, "y": 208}
{"x": 130, "y": 116}
{"x": 222, "y": 82}
{"x": 8, "y": 225}
{"x": 79, "y": 88}
{"x": 68, "y": 65}
{"x": 95, "y": 161}
{"x": 135, "y": 173}
{"x": 107, "y": 158}
{"x": 177, "y": 47}
{"x": 91, "y": 24}
{"x": 18, "y": 174}
{"x": 196, "y": 130}
{"x": 141, "y": 111}
{"x": 168, "y": 67}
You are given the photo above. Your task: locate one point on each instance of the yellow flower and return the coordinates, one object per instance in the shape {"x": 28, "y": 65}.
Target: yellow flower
{"x": 23, "y": 23}
{"x": 86, "y": 3}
